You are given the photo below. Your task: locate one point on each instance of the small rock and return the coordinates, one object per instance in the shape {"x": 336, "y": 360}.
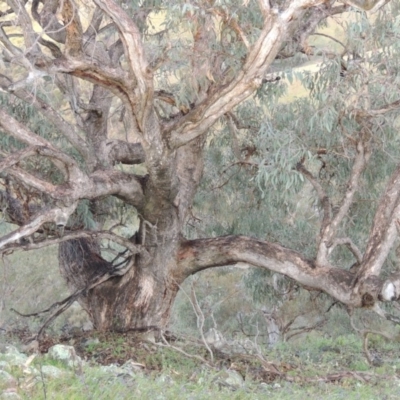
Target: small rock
{"x": 31, "y": 347}
{"x": 90, "y": 342}
{"x": 13, "y": 357}
{"x": 229, "y": 378}
{"x": 132, "y": 366}
{"x": 49, "y": 371}
{"x": 65, "y": 354}
{"x": 165, "y": 379}
{"x": 234, "y": 379}
{"x": 10, "y": 395}
{"x": 114, "y": 370}
{"x": 5, "y": 366}
{"x": 87, "y": 326}
{"x": 7, "y": 380}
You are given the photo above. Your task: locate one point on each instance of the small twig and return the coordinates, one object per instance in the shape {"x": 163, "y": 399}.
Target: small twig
{"x": 43, "y": 382}
{"x": 364, "y": 333}
{"x": 200, "y": 319}
{"x": 329, "y": 37}
{"x": 351, "y": 246}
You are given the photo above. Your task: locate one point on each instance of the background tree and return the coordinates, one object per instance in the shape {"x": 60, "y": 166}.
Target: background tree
{"x": 108, "y": 109}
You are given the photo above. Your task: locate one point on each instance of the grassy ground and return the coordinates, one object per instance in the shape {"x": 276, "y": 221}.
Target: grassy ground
{"x": 316, "y": 368}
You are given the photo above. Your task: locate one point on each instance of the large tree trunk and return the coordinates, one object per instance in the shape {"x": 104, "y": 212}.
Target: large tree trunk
{"x": 141, "y": 299}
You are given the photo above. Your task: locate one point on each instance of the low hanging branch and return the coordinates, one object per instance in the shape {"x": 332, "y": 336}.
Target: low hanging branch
{"x": 45, "y": 242}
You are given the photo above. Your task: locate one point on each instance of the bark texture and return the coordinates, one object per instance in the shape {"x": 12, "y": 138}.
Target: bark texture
{"x": 109, "y": 79}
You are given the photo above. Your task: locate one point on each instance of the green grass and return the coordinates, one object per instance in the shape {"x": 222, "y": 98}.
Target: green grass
{"x": 170, "y": 375}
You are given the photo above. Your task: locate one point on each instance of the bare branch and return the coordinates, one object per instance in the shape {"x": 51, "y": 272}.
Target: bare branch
{"x": 124, "y": 152}
{"x": 351, "y": 246}
{"x": 263, "y": 52}
{"x": 47, "y": 19}
{"x": 45, "y": 242}
{"x": 33, "y": 226}
{"x": 25, "y": 21}
{"x": 196, "y": 255}
{"x": 133, "y": 46}
{"x": 383, "y": 110}
{"x": 200, "y": 319}
{"x": 383, "y": 232}
{"x": 330, "y": 231}
{"x": 364, "y": 333}
{"x": 13, "y": 52}
{"x": 33, "y": 182}
{"x": 52, "y": 115}
{"x": 16, "y": 157}
{"x": 73, "y": 28}
{"x": 115, "y": 79}
{"x": 19, "y": 131}
{"x": 322, "y": 196}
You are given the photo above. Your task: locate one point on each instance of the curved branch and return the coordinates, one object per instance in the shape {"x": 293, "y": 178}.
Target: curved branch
{"x": 330, "y": 231}
{"x": 51, "y": 114}
{"x": 113, "y": 183}
{"x": 351, "y": 246}
{"x": 33, "y": 182}
{"x": 115, "y": 79}
{"x": 133, "y": 46}
{"x": 16, "y": 157}
{"x": 43, "y": 147}
{"x": 33, "y": 226}
{"x": 200, "y": 254}
{"x": 263, "y": 52}
{"x": 47, "y": 19}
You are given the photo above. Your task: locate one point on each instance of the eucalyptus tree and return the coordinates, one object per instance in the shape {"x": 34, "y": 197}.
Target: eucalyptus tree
{"x": 108, "y": 108}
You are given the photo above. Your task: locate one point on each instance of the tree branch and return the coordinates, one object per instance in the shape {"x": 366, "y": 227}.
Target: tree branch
{"x": 73, "y": 28}
{"x": 115, "y": 79}
{"x": 34, "y": 245}
{"x": 246, "y": 81}
{"x": 32, "y": 181}
{"x": 322, "y": 196}
{"x": 351, "y": 246}
{"x": 53, "y": 116}
{"x": 16, "y": 157}
{"x": 19, "y": 131}
{"x": 383, "y": 232}
{"x": 200, "y": 254}
{"x": 126, "y": 153}
{"x": 28, "y": 229}
{"x": 133, "y": 48}
{"x": 330, "y": 231}
{"x": 78, "y": 186}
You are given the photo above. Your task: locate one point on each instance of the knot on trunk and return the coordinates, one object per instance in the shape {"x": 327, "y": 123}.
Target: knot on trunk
{"x": 370, "y": 289}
